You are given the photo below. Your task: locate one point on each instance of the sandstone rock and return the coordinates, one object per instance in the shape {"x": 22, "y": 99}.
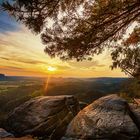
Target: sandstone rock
{"x": 43, "y": 116}
{"x": 106, "y": 118}
{"x": 4, "y": 133}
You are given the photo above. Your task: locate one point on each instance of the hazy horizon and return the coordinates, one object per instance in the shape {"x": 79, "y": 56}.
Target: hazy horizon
{"x": 52, "y": 76}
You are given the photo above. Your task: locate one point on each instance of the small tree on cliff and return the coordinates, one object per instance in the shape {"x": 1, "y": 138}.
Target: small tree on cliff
{"x": 82, "y": 28}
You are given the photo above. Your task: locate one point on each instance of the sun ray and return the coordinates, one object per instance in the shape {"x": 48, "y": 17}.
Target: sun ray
{"x": 47, "y": 83}
{"x": 51, "y": 71}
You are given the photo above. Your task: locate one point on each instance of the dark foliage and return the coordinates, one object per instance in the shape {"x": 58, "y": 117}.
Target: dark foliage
{"x": 130, "y": 89}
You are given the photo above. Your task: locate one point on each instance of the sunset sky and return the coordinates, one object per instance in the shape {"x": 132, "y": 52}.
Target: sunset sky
{"x": 22, "y": 54}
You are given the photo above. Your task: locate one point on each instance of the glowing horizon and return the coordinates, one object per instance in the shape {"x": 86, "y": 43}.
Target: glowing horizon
{"x": 22, "y": 54}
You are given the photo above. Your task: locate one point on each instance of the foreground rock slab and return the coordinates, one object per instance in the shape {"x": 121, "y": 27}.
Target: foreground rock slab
{"x": 45, "y": 115}
{"x": 106, "y": 118}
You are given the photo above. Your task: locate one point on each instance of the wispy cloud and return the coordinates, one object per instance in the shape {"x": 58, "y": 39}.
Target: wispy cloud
{"x": 21, "y": 60}
{"x": 10, "y": 68}
{"x": 4, "y": 58}
{"x": 86, "y": 65}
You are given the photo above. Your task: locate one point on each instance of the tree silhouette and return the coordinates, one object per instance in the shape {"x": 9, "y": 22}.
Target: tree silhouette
{"x": 82, "y": 28}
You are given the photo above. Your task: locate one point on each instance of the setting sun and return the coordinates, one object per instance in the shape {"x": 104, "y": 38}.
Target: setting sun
{"x": 51, "y": 69}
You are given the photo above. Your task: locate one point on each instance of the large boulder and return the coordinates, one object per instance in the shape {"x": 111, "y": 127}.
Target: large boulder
{"x": 43, "y": 116}
{"x": 106, "y": 118}
{"x": 5, "y": 134}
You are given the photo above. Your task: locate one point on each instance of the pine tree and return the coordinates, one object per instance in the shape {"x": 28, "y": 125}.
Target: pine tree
{"x": 82, "y": 28}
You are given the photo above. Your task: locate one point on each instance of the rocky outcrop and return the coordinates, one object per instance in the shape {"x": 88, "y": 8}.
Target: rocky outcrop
{"x": 45, "y": 115}
{"x": 107, "y": 118}
{"x": 5, "y": 134}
